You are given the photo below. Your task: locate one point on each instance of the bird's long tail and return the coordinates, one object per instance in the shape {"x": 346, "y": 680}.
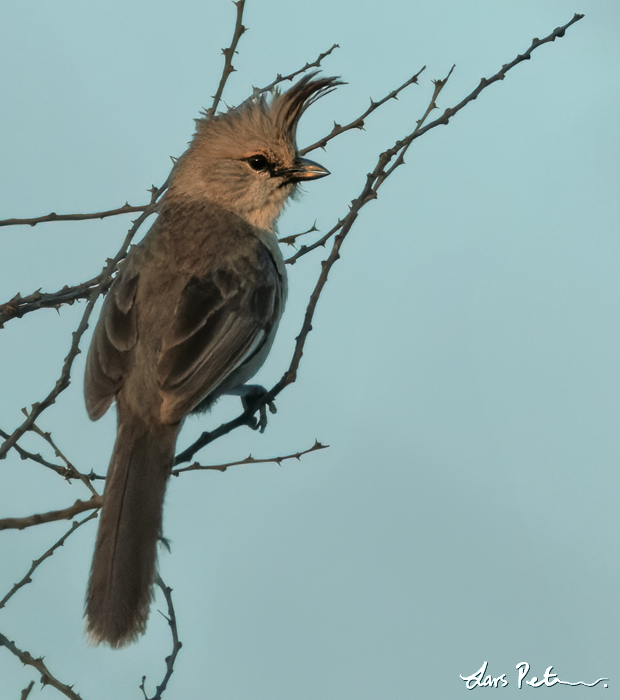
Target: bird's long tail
{"x": 121, "y": 578}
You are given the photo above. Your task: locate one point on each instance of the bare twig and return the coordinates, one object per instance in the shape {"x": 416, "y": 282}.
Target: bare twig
{"x": 439, "y": 86}
{"x": 51, "y": 516}
{"x": 73, "y": 472}
{"x": 26, "y": 690}
{"x": 176, "y": 644}
{"x": 359, "y": 122}
{"x": 292, "y": 239}
{"x": 228, "y": 57}
{"x": 37, "y": 562}
{"x": 344, "y": 226}
{"x": 387, "y": 162}
{"x": 228, "y": 69}
{"x": 95, "y": 477}
{"x": 249, "y": 460}
{"x": 369, "y": 192}
{"x": 291, "y": 76}
{"x": 320, "y": 243}
{"x": 53, "y": 216}
{"x": 64, "y": 379}
{"x": 46, "y": 676}
{"x": 18, "y": 306}
{"x": 402, "y": 145}
{"x": 24, "y": 454}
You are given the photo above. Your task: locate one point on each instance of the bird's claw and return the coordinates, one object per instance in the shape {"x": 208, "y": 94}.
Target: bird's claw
{"x": 253, "y": 394}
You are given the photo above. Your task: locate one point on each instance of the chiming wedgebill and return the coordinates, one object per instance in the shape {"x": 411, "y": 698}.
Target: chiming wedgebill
{"x": 191, "y": 315}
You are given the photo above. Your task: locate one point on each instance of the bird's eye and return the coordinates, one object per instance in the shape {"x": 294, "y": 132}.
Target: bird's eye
{"x": 258, "y": 163}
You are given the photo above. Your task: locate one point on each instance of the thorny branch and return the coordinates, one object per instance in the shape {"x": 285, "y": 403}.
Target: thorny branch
{"x": 129, "y": 208}
{"x": 176, "y": 644}
{"x": 305, "y": 249}
{"x": 18, "y": 306}
{"x": 24, "y": 454}
{"x": 292, "y": 239}
{"x": 387, "y": 162}
{"x": 26, "y": 690}
{"x": 64, "y": 380}
{"x": 359, "y": 122}
{"x": 401, "y": 147}
{"x": 248, "y": 460}
{"x": 374, "y": 181}
{"x": 228, "y": 57}
{"x": 96, "y": 500}
{"x": 53, "y": 216}
{"x": 51, "y": 516}
{"x": 73, "y": 473}
{"x": 46, "y": 676}
{"x": 65, "y": 472}
{"x": 37, "y": 562}
{"x": 291, "y": 76}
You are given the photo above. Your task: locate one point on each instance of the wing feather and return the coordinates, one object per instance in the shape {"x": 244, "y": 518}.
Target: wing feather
{"x": 115, "y": 335}
{"x": 222, "y": 321}
{"x": 190, "y": 324}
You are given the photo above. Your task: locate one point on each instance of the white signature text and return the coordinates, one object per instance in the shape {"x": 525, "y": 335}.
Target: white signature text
{"x": 482, "y": 679}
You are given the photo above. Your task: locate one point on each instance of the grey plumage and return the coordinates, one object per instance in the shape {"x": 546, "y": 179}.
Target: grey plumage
{"x": 191, "y": 315}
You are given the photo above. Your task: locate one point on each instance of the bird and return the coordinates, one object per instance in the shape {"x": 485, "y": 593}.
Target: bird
{"x": 191, "y": 315}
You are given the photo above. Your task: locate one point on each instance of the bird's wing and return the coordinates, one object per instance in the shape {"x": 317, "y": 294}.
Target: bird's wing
{"x": 114, "y": 336}
{"x": 221, "y": 322}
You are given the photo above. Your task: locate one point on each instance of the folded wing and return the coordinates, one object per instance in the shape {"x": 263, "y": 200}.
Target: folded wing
{"x": 221, "y": 324}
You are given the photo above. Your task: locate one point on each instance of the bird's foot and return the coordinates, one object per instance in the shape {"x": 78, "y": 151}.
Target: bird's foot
{"x": 251, "y": 394}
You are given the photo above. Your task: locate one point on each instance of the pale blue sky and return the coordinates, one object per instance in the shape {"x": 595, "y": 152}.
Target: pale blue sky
{"x": 463, "y": 365}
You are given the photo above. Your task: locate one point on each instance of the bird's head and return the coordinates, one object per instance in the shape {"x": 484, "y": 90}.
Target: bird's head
{"x": 246, "y": 159}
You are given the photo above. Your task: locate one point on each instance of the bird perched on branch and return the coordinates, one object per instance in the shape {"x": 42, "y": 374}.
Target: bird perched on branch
{"x": 191, "y": 315}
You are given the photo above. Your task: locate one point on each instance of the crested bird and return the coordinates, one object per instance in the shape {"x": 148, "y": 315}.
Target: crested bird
{"x": 191, "y": 315}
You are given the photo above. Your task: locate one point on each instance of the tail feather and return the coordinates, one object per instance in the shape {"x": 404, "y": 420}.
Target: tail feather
{"x": 123, "y": 569}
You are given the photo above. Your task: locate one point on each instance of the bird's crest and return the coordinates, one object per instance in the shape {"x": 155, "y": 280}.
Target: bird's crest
{"x": 281, "y": 110}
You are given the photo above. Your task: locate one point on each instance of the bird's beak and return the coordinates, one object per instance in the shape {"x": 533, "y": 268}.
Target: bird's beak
{"x": 305, "y": 169}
